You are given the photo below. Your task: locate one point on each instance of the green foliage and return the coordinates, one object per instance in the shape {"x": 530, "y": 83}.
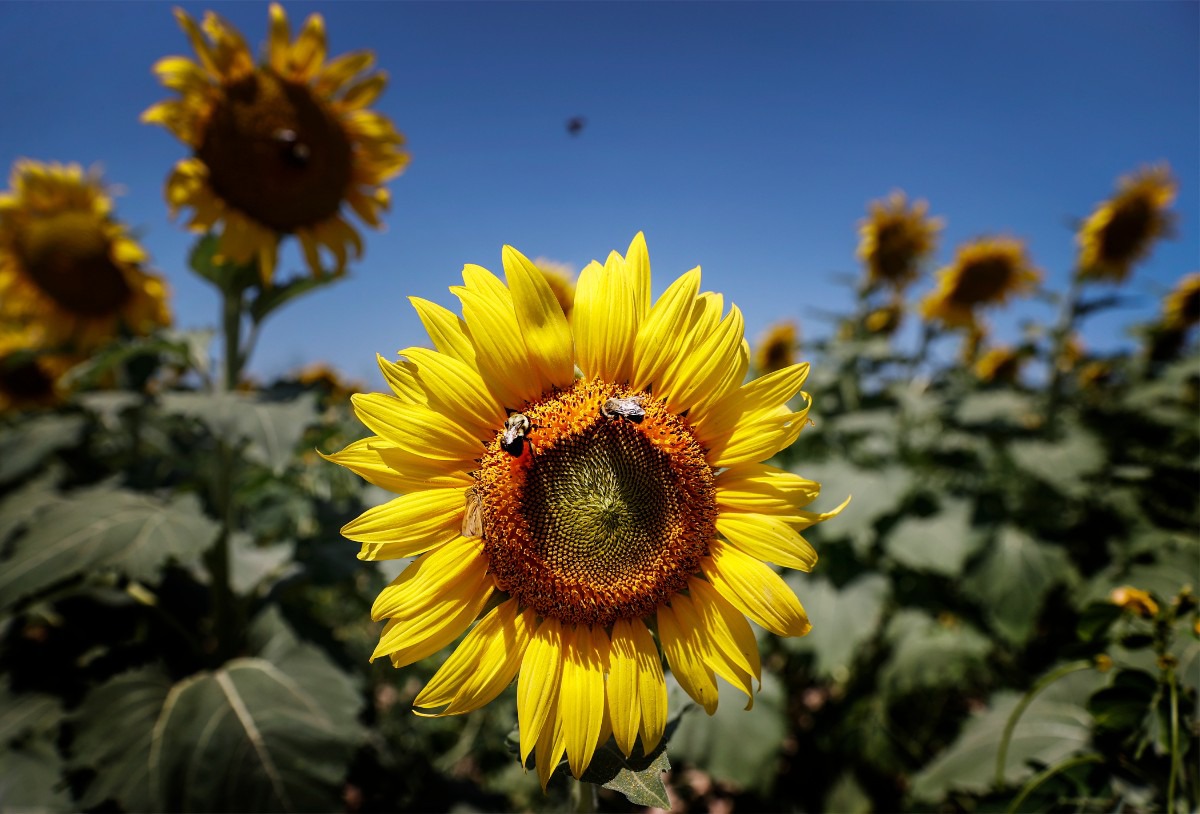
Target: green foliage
{"x": 928, "y": 654}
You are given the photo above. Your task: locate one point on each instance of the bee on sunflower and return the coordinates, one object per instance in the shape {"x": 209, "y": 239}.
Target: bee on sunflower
{"x": 985, "y": 272}
{"x": 1122, "y": 230}
{"x": 895, "y": 239}
{"x": 277, "y": 148}
{"x": 609, "y": 537}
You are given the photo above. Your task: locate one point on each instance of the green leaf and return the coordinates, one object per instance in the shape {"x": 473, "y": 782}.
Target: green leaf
{"x": 228, "y": 277}
{"x": 1064, "y": 464}
{"x": 31, "y": 778}
{"x": 278, "y": 295}
{"x": 1004, "y": 408}
{"x": 847, "y": 797}
{"x": 1054, "y": 727}
{"x": 638, "y": 777}
{"x": 271, "y": 429}
{"x": 114, "y": 727}
{"x": 735, "y": 745}
{"x": 24, "y": 445}
{"x": 1176, "y": 565}
{"x": 23, "y": 504}
{"x": 843, "y": 620}
{"x": 876, "y": 493}
{"x": 927, "y": 654}
{"x": 940, "y": 544}
{"x": 1124, "y": 704}
{"x": 253, "y": 568}
{"x": 1096, "y": 620}
{"x": 23, "y": 713}
{"x": 1012, "y": 580}
{"x": 104, "y": 527}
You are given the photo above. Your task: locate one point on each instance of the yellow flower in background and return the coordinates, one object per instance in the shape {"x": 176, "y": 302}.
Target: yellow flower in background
{"x": 776, "y": 348}
{"x": 895, "y": 239}
{"x": 985, "y": 272}
{"x": 1095, "y": 374}
{"x": 570, "y": 512}
{"x": 1181, "y": 308}
{"x": 561, "y": 279}
{"x": 30, "y": 376}
{"x": 885, "y": 319}
{"x": 1123, "y": 229}
{"x": 326, "y": 377}
{"x": 1001, "y": 364}
{"x": 277, "y": 148}
{"x": 1072, "y": 354}
{"x": 1134, "y": 600}
{"x": 67, "y": 264}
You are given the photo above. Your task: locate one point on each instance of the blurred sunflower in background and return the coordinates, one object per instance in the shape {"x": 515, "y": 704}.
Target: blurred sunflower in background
{"x": 1123, "y": 229}
{"x": 561, "y": 279}
{"x": 1181, "y": 308}
{"x": 999, "y": 364}
{"x": 277, "y": 148}
{"x": 886, "y": 319}
{"x": 69, "y": 266}
{"x": 776, "y": 348}
{"x": 584, "y": 512}
{"x": 895, "y": 239}
{"x": 30, "y": 376}
{"x": 985, "y": 272}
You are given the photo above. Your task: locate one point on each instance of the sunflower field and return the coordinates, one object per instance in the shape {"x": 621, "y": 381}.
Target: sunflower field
{"x": 594, "y": 548}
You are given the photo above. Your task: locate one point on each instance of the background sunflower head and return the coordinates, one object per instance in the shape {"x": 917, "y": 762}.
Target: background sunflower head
{"x": 886, "y": 319}
{"x": 30, "y": 375}
{"x": 895, "y": 239}
{"x": 277, "y": 148}
{"x": 1123, "y": 229}
{"x": 1181, "y": 308}
{"x": 561, "y": 279}
{"x": 984, "y": 272}
{"x": 1000, "y": 364}
{"x": 67, "y": 264}
{"x": 776, "y": 348}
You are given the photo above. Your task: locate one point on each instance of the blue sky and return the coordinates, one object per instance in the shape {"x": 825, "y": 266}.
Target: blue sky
{"x": 743, "y": 137}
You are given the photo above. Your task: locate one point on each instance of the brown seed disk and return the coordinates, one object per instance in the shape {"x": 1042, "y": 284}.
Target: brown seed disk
{"x": 69, "y": 257}
{"x": 599, "y": 518}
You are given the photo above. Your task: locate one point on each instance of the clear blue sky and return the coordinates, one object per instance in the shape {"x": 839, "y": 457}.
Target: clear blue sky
{"x": 743, "y": 137}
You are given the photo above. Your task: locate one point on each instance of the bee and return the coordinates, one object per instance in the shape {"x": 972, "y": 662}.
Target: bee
{"x": 630, "y": 408}
{"x": 292, "y": 150}
{"x": 472, "y": 523}
{"x": 516, "y": 427}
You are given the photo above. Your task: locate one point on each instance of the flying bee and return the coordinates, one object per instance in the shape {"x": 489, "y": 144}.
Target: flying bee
{"x": 292, "y": 150}
{"x": 472, "y": 523}
{"x": 630, "y": 408}
{"x": 516, "y": 427}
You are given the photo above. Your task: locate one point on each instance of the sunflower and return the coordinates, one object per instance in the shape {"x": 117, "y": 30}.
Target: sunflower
{"x": 30, "y": 376}
{"x": 561, "y": 279}
{"x": 1001, "y": 364}
{"x": 279, "y": 147}
{"x": 776, "y": 348}
{"x": 1121, "y": 230}
{"x": 67, "y": 264}
{"x": 886, "y": 319}
{"x": 590, "y": 519}
{"x": 895, "y": 239}
{"x": 985, "y": 272}
{"x": 1181, "y": 308}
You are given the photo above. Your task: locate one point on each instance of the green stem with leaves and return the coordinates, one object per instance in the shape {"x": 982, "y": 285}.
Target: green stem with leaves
{"x": 1044, "y": 775}
{"x": 1019, "y": 710}
{"x": 1059, "y": 339}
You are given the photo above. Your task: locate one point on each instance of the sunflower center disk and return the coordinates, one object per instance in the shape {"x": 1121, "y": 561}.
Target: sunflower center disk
{"x": 276, "y": 153}
{"x": 985, "y": 280}
{"x": 68, "y": 256}
{"x": 599, "y": 518}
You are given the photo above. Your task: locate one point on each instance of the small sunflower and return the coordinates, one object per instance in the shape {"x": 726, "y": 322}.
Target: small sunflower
{"x": 277, "y": 148}
{"x": 30, "y": 377}
{"x": 885, "y": 319}
{"x": 1001, "y": 364}
{"x": 895, "y": 239}
{"x": 561, "y": 279}
{"x": 985, "y": 272}
{"x": 67, "y": 264}
{"x": 1181, "y": 308}
{"x": 1122, "y": 229}
{"x": 776, "y": 348}
{"x": 589, "y": 521}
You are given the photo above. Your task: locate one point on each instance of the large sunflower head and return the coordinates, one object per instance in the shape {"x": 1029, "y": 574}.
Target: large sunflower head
{"x": 1181, "y": 308}
{"x": 895, "y": 239}
{"x": 1123, "y": 229}
{"x": 67, "y": 264}
{"x": 277, "y": 148}
{"x": 985, "y": 272}
{"x": 590, "y": 519}
{"x": 776, "y": 348}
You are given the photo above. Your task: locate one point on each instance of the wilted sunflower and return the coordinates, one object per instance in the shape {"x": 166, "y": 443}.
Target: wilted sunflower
{"x": 985, "y": 272}
{"x": 776, "y": 348}
{"x": 591, "y": 520}
{"x": 1122, "y": 229}
{"x": 895, "y": 239}
{"x": 277, "y": 148}
{"x": 1181, "y": 308}
{"x": 67, "y": 264}
{"x": 561, "y": 279}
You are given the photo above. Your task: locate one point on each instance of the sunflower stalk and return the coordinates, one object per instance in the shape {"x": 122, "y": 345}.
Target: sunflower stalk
{"x": 584, "y": 798}
{"x": 1059, "y": 339}
{"x": 1019, "y": 709}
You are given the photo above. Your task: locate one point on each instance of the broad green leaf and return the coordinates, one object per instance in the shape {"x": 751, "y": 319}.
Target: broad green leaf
{"x": 280, "y": 294}
{"x": 252, "y": 567}
{"x": 847, "y": 797}
{"x": 843, "y": 620}
{"x": 1125, "y": 703}
{"x": 736, "y": 745}
{"x": 23, "y": 713}
{"x": 27, "y": 443}
{"x": 1064, "y": 464}
{"x": 23, "y": 504}
{"x": 271, "y": 429}
{"x": 876, "y": 492}
{"x": 639, "y": 777}
{"x": 1012, "y": 580}
{"x": 940, "y": 544}
{"x": 113, "y": 730}
{"x": 1176, "y": 565}
{"x": 104, "y": 527}
{"x": 1054, "y": 727}
{"x": 31, "y": 778}
{"x": 928, "y": 653}
{"x": 1005, "y": 408}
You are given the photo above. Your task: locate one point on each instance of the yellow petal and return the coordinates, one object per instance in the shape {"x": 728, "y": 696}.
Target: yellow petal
{"x": 537, "y": 685}
{"x": 543, "y": 324}
{"x": 693, "y": 674}
{"x": 445, "y": 329}
{"x": 767, "y": 538}
{"x": 659, "y": 337}
{"x": 364, "y": 93}
{"x": 623, "y": 702}
{"x": 755, "y": 590}
{"x": 362, "y": 457}
{"x": 702, "y": 641}
{"x": 764, "y": 489}
{"x": 279, "y": 36}
{"x": 581, "y": 696}
{"x": 652, "y": 686}
{"x": 768, "y": 391}
{"x": 500, "y": 350}
{"x": 402, "y": 378}
{"x": 481, "y": 666}
{"x": 760, "y": 437}
{"x": 726, "y": 626}
{"x": 430, "y": 578}
{"x": 604, "y": 322}
{"x": 551, "y": 744}
{"x": 411, "y": 523}
{"x": 806, "y": 519}
{"x": 408, "y": 639}
{"x": 341, "y": 70}
{"x": 457, "y": 389}
{"x": 308, "y": 52}
{"x": 637, "y": 264}
{"x": 416, "y": 428}
{"x": 714, "y": 368}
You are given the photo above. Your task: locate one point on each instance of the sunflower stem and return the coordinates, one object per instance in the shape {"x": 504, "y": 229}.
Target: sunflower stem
{"x": 1019, "y": 709}
{"x": 584, "y": 798}
{"x": 1044, "y": 775}
{"x": 1062, "y": 334}
{"x": 1176, "y": 757}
